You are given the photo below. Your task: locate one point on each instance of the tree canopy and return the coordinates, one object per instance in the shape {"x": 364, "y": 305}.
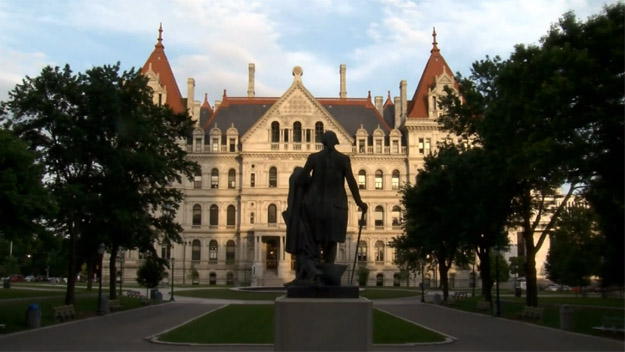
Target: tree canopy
{"x": 109, "y": 157}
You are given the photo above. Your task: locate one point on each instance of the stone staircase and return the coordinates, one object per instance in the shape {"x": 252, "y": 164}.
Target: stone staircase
{"x": 270, "y": 279}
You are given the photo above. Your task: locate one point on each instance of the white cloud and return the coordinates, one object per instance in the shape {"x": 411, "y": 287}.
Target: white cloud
{"x": 16, "y": 66}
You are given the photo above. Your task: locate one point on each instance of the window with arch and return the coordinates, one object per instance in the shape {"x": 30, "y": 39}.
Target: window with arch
{"x": 378, "y": 216}
{"x": 166, "y": 249}
{"x": 362, "y": 251}
{"x": 395, "y": 180}
{"x": 213, "y": 248}
{"x": 318, "y": 131}
{"x": 212, "y": 279}
{"x": 275, "y": 132}
{"x": 359, "y": 214}
{"x": 232, "y": 178}
{"x": 379, "y": 177}
{"x": 231, "y": 212}
{"x": 197, "y": 215}
{"x": 379, "y": 279}
{"x": 196, "y": 250}
{"x": 230, "y": 252}
{"x": 197, "y": 180}
{"x": 362, "y": 179}
{"x": 396, "y": 216}
{"x": 229, "y": 278}
{"x": 379, "y": 251}
{"x": 297, "y": 132}
{"x": 213, "y": 218}
{"x": 273, "y": 177}
{"x": 272, "y": 211}
{"x": 215, "y": 178}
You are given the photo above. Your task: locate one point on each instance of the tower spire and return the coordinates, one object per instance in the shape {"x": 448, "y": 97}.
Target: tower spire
{"x": 159, "y": 43}
{"x": 434, "y": 43}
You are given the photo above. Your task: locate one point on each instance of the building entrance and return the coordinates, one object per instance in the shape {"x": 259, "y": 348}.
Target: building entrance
{"x": 271, "y": 258}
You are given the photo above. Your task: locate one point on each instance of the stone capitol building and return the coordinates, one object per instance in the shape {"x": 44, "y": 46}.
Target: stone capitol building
{"x": 247, "y": 147}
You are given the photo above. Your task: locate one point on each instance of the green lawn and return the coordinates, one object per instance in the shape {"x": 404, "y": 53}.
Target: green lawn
{"x": 254, "y": 324}
{"x": 588, "y": 311}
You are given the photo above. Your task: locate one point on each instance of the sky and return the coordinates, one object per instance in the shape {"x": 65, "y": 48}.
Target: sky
{"x": 380, "y": 41}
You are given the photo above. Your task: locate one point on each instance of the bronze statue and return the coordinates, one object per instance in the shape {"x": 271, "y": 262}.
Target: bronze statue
{"x": 322, "y": 214}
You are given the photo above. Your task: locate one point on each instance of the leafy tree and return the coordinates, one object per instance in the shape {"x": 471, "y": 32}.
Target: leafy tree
{"x": 504, "y": 269}
{"x": 23, "y": 199}
{"x": 575, "y": 252}
{"x": 363, "y": 275}
{"x": 550, "y": 113}
{"x": 516, "y": 265}
{"x": 109, "y": 155}
{"x": 151, "y": 273}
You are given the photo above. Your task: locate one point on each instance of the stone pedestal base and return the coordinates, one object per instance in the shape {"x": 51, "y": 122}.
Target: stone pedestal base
{"x": 326, "y": 324}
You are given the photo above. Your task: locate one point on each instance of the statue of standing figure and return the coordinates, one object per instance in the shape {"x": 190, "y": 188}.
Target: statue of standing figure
{"x": 316, "y": 217}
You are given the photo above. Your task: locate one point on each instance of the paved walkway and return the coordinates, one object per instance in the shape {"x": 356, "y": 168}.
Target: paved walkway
{"x": 131, "y": 331}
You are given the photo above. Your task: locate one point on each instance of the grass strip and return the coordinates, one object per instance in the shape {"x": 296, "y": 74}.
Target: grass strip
{"x": 254, "y": 324}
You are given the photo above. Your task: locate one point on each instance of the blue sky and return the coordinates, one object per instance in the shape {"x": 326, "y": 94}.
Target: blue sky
{"x": 381, "y": 41}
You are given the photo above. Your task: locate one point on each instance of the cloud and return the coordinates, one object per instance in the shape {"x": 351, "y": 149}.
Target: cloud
{"x": 15, "y": 66}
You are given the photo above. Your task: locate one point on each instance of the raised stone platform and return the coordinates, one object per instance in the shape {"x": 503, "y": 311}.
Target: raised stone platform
{"x": 322, "y": 292}
{"x": 323, "y": 324}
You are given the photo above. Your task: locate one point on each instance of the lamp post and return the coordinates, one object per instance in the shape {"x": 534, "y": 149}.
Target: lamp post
{"x": 171, "y": 296}
{"x": 473, "y": 277}
{"x": 497, "y": 303}
{"x": 101, "y": 254}
{"x": 122, "y": 253}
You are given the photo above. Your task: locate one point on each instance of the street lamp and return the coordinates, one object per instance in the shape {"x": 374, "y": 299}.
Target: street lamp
{"x": 171, "y": 296}
{"x": 497, "y": 303}
{"x": 101, "y": 254}
{"x": 423, "y": 280}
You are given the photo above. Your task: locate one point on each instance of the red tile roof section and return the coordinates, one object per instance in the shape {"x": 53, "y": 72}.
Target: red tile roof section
{"x": 388, "y": 100}
{"x": 206, "y": 105}
{"x": 418, "y": 106}
{"x": 160, "y": 65}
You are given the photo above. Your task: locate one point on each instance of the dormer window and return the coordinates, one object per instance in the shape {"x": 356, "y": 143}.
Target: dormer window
{"x": 215, "y": 144}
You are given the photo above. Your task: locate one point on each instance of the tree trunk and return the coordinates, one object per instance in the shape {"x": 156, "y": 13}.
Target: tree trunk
{"x": 90, "y": 271}
{"x": 531, "y": 298}
{"x": 113, "y": 273}
{"x": 487, "y": 282}
{"x": 444, "y": 283}
{"x": 71, "y": 269}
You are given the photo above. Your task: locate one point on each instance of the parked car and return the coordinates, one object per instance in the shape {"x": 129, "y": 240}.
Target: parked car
{"x": 16, "y": 278}
{"x": 29, "y": 278}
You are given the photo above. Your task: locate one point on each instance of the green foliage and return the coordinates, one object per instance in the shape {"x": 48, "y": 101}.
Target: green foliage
{"x": 363, "y": 275}
{"x": 194, "y": 275}
{"x": 576, "y": 249}
{"x": 517, "y": 265}
{"x": 151, "y": 273}
{"x": 504, "y": 269}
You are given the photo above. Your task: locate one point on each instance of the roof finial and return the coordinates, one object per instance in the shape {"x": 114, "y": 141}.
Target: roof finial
{"x": 434, "y": 43}
{"x": 159, "y": 43}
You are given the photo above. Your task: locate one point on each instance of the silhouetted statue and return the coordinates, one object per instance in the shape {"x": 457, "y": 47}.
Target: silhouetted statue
{"x": 326, "y": 203}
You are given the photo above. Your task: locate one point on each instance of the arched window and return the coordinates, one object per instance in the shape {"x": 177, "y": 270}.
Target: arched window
{"x": 379, "y": 279}
{"x": 379, "y": 216}
{"x": 214, "y": 216}
{"x": 271, "y": 214}
{"x": 212, "y": 279}
{"x": 379, "y": 251}
{"x": 196, "y": 250}
{"x": 362, "y": 179}
{"x": 275, "y": 132}
{"x": 197, "y": 180}
{"x": 273, "y": 177}
{"x": 197, "y": 215}
{"x": 362, "y": 251}
{"x": 215, "y": 178}
{"x": 166, "y": 249}
{"x": 213, "y": 248}
{"x": 297, "y": 132}
{"x": 396, "y": 216}
{"x": 230, "y": 251}
{"x": 379, "y": 176}
{"x": 230, "y": 215}
{"x": 395, "y": 180}
{"x": 364, "y": 225}
{"x": 318, "y": 131}
{"x": 232, "y": 178}
{"x": 229, "y": 278}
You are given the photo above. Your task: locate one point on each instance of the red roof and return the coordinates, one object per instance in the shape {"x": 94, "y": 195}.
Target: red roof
{"x": 160, "y": 65}
{"x": 436, "y": 65}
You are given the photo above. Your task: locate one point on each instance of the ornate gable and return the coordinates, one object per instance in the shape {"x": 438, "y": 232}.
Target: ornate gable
{"x": 296, "y": 108}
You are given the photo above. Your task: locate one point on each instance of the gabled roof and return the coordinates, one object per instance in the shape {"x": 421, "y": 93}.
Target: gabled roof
{"x": 160, "y": 65}
{"x": 436, "y": 65}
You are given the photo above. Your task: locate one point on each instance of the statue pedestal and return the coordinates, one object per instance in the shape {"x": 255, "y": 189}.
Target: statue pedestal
{"x": 323, "y": 324}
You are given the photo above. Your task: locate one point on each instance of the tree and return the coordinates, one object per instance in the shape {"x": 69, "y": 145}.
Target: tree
{"x": 503, "y": 270}
{"x": 151, "y": 273}
{"x": 23, "y": 199}
{"x": 575, "y": 252}
{"x": 550, "y": 113}
{"x": 109, "y": 155}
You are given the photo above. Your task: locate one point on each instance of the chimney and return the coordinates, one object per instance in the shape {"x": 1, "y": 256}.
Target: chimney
{"x": 404, "y": 103}
{"x": 250, "y": 82}
{"x": 217, "y": 103}
{"x": 191, "y": 97}
{"x": 379, "y": 104}
{"x": 343, "y": 93}
{"x": 397, "y": 103}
